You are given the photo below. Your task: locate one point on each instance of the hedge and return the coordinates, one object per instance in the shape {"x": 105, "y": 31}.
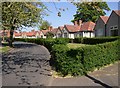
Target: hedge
{"x": 81, "y": 60}
{"x": 48, "y": 43}
{"x": 96, "y": 40}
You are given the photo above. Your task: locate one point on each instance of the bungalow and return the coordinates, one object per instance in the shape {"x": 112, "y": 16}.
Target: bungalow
{"x": 113, "y": 24}
{"x": 71, "y": 31}
{"x": 54, "y": 32}
{"x": 43, "y": 33}
{"x": 100, "y": 27}
{"x": 17, "y": 35}
{"x": 87, "y": 29}
{"x": 5, "y": 33}
{"x": 59, "y": 32}
{"x": 32, "y": 34}
{"x": 24, "y": 34}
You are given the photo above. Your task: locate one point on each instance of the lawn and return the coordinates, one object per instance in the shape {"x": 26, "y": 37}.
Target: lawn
{"x": 76, "y": 45}
{"x": 4, "y": 49}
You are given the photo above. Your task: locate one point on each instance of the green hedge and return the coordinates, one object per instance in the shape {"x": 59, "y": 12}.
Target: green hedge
{"x": 48, "y": 43}
{"x": 96, "y": 40}
{"x": 81, "y": 60}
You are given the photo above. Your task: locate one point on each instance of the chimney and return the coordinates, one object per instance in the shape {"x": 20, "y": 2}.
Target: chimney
{"x": 75, "y": 23}
{"x": 32, "y": 30}
{"x": 50, "y": 28}
{"x": 80, "y": 22}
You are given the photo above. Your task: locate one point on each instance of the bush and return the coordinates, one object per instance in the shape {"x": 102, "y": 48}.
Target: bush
{"x": 96, "y": 40}
{"x": 81, "y": 60}
{"x": 48, "y": 43}
{"x": 62, "y": 41}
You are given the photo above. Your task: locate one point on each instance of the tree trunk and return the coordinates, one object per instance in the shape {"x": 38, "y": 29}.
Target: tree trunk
{"x": 11, "y": 36}
{"x": 3, "y": 38}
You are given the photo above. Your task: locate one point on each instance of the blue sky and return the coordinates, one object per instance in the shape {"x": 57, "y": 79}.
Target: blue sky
{"x": 67, "y": 15}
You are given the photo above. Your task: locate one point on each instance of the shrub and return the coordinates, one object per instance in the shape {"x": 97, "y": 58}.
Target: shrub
{"x": 81, "y": 60}
{"x": 48, "y": 43}
{"x": 96, "y": 40}
{"x": 78, "y": 40}
{"x": 62, "y": 41}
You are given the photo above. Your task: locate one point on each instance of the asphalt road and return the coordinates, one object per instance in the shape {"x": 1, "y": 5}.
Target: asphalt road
{"x": 26, "y": 65}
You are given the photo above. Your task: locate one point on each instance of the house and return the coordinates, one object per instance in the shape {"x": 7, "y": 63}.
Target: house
{"x": 87, "y": 29}
{"x": 5, "y": 33}
{"x": 54, "y": 32}
{"x": 100, "y": 27}
{"x": 59, "y": 32}
{"x": 43, "y": 33}
{"x": 32, "y": 34}
{"x": 71, "y": 31}
{"x": 17, "y": 34}
{"x": 112, "y": 27}
{"x": 24, "y": 34}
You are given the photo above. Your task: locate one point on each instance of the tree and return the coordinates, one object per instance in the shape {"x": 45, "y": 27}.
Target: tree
{"x": 50, "y": 35}
{"x": 19, "y": 14}
{"x": 44, "y": 25}
{"x": 90, "y": 11}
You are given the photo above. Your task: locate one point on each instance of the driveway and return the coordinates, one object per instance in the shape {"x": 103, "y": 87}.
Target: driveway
{"x": 26, "y": 65}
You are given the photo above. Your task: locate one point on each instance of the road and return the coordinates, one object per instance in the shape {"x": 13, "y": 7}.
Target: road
{"x": 26, "y": 65}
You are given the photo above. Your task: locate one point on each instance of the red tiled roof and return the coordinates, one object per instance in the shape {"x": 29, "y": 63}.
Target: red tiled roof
{"x": 17, "y": 34}
{"x": 117, "y": 12}
{"x": 72, "y": 28}
{"x": 104, "y": 18}
{"x": 61, "y": 27}
{"x": 54, "y": 31}
{"x": 45, "y": 31}
{"x": 32, "y": 33}
{"x": 87, "y": 26}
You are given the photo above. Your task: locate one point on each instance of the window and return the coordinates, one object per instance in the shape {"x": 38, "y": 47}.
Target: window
{"x": 59, "y": 35}
{"x": 65, "y": 35}
{"x": 116, "y": 27}
{"x": 41, "y": 36}
{"x": 114, "y": 30}
{"x": 111, "y": 27}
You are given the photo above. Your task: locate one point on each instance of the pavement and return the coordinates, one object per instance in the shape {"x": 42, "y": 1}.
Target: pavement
{"x": 106, "y": 77}
{"x": 28, "y": 65}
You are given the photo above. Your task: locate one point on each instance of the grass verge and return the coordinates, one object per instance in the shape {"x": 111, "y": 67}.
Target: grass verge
{"x": 4, "y": 49}
{"x": 76, "y": 45}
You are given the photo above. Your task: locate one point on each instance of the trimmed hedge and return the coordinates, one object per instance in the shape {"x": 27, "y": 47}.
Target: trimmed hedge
{"x": 48, "y": 43}
{"x": 81, "y": 60}
{"x": 96, "y": 40}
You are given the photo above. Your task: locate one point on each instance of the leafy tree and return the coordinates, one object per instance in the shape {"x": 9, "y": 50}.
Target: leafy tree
{"x": 50, "y": 35}
{"x": 44, "y": 25}
{"x": 19, "y": 14}
{"x": 90, "y": 11}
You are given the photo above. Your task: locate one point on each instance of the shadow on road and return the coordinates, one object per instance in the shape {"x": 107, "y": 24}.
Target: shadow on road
{"x": 98, "y": 82}
{"x": 23, "y": 45}
{"x": 19, "y": 63}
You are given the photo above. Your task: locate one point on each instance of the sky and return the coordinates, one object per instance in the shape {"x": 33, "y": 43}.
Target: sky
{"x": 67, "y": 15}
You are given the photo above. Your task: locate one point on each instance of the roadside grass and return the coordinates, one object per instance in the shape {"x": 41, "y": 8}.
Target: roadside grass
{"x": 4, "y": 49}
{"x": 76, "y": 45}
